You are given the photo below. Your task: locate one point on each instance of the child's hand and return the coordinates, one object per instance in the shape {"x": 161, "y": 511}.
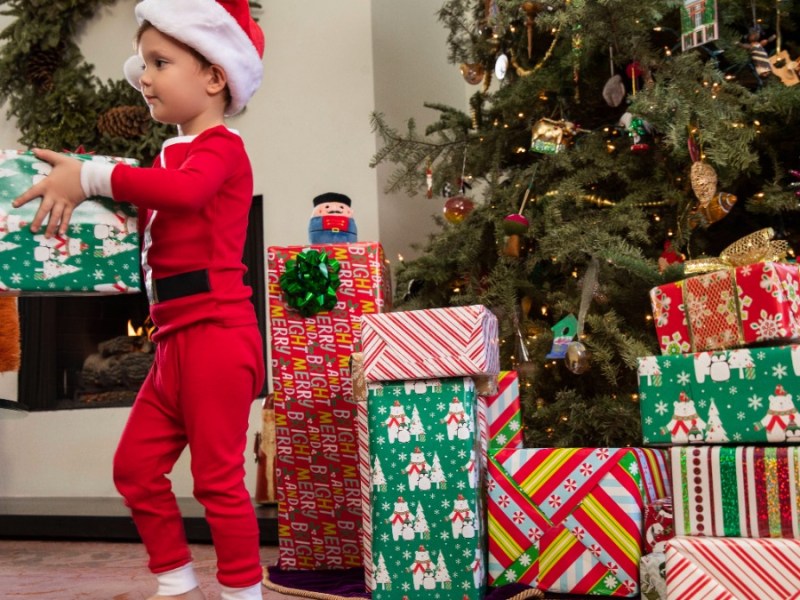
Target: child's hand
{"x": 60, "y": 191}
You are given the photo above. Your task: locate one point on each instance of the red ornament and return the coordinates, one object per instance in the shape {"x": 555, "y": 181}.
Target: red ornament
{"x": 669, "y": 256}
{"x": 456, "y": 208}
{"x": 515, "y": 224}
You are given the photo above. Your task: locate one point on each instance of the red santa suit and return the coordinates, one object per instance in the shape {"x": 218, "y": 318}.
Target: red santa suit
{"x": 209, "y": 364}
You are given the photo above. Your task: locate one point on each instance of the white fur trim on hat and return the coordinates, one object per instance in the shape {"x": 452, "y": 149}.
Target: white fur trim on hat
{"x": 207, "y": 27}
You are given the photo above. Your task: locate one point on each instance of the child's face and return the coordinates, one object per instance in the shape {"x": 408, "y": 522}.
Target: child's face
{"x": 175, "y": 84}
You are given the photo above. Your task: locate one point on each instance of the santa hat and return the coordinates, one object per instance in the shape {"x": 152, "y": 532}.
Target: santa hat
{"x": 332, "y": 197}
{"x": 221, "y": 30}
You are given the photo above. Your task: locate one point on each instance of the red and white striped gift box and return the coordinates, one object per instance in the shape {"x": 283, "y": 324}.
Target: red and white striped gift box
{"x": 437, "y": 342}
{"x": 733, "y": 568}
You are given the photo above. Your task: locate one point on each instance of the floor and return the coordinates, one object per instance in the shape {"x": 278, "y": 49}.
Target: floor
{"x": 89, "y": 570}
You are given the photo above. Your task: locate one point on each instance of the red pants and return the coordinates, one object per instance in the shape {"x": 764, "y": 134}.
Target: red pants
{"x": 198, "y": 393}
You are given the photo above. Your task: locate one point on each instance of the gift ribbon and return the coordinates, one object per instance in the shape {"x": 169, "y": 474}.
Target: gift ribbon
{"x": 310, "y": 282}
{"x": 755, "y": 247}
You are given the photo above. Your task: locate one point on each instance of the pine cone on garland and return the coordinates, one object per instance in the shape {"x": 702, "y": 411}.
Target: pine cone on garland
{"x": 41, "y": 66}
{"x": 124, "y": 121}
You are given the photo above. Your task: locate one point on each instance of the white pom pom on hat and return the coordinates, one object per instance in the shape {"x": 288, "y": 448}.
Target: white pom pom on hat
{"x": 221, "y": 30}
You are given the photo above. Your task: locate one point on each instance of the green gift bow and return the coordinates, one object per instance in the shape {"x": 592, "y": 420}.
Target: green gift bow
{"x": 310, "y": 282}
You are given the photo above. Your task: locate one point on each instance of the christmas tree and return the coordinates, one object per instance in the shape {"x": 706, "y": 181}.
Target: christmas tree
{"x": 605, "y": 143}
{"x": 715, "y": 432}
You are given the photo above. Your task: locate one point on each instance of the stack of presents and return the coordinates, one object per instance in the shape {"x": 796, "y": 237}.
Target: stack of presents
{"x": 399, "y": 450}
{"x": 723, "y": 395}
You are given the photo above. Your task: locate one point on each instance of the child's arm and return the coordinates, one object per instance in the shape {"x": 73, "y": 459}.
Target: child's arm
{"x": 60, "y": 192}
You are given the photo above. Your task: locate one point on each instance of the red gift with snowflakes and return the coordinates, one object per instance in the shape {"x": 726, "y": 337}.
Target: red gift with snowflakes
{"x": 729, "y": 308}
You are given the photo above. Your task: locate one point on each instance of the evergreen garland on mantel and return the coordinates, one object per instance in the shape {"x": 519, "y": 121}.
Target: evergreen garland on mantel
{"x": 53, "y": 94}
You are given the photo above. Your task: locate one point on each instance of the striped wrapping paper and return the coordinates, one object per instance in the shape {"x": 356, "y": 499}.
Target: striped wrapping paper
{"x": 503, "y": 413}
{"x": 733, "y": 569}
{"x": 570, "y": 519}
{"x": 437, "y": 342}
{"x": 743, "y": 491}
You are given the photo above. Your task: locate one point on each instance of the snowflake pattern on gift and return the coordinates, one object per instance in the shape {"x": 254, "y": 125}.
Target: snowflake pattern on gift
{"x": 661, "y": 303}
{"x": 675, "y": 344}
{"x": 769, "y": 327}
{"x": 697, "y": 306}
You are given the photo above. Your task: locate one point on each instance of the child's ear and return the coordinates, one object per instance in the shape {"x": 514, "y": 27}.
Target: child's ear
{"x": 217, "y": 80}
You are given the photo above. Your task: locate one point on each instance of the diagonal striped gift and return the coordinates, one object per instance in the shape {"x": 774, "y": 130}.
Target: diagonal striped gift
{"x": 570, "y": 519}
{"x": 437, "y": 342}
{"x": 743, "y": 491}
{"x": 503, "y": 415}
{"x": 733, "y": 568}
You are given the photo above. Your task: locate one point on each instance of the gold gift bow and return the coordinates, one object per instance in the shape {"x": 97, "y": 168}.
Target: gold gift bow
{"x": 753, "y": 248}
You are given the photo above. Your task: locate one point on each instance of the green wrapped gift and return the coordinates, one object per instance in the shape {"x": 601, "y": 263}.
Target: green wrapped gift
{"x": 745, "y": 395}
{"x": 99, "y": 254}
{"x": 427, "y": 513}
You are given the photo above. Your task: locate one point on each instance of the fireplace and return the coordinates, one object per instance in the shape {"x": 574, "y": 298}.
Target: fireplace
{"x": 59, "y": 334}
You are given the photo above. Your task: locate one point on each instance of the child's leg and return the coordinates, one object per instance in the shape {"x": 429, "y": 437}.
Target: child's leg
{"x": 227, "y": 371}
{"x": 152, "y": 441}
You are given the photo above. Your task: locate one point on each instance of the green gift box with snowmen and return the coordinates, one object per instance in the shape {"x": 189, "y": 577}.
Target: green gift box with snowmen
{"x": 98, "y": 255}
{"x": 428, "y": 537}
{"x": 745, "y": 395}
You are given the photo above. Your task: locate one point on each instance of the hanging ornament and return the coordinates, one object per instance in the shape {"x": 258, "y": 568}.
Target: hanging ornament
{"x": 719, "y": 207}
{"x": 549, "y": 136}
{"x": 524, "y": 365}
{"x": 634, "y": 71}
{"x": 639, "y": 130}
{"x": 563, "y": 333}
{"x": 699, "y": 23}
{"x": 669, "y": 256}
{"x": 457, "y": 208}
{"x": 531, "y": 10}
{"x": 614, "y": 89}
{"x": 429, "y": 180}
{"x": 577, "y": 358}
{"x": 501, "y": 67}
{"x": 704, "y": 181}
{"x": 472, "y": 73}
{"x": 780, "y": 62}
{"x": 516, "y": 224}
{"x": 577, "y": 50}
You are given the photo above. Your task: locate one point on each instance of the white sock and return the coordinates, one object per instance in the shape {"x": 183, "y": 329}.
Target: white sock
{"x": 249, "y": 593}
{"x": 176, "y": 582}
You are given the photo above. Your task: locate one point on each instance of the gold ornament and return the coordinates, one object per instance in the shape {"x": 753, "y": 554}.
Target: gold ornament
{"x": 577, "y": 358}
{"x": 472, "y": 73}
{"x": 704, "y": 181}
{"x": 719, "y": 207}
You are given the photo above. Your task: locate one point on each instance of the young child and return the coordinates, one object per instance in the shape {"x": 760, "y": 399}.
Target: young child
{"x": 198, "y": 61}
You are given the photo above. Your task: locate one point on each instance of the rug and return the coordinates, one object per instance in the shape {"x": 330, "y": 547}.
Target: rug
{"x": 349, "y": 583}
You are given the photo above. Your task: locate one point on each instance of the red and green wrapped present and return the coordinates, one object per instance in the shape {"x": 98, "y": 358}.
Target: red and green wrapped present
{"x": 438, "y": 342}
{"x": 733, "y": 568}
{"x": 730, "y": 308}
{"x": 98, "y": 255}
{"x": 319, "y": 499}
{"x": 659, "y": 526}
{"x": 569, "y": 520}
{"x": 745, "y": 395}
{"x": 424, "y": 491}
{"x": 503, "y": 413}
{"x": 743, "y": 491}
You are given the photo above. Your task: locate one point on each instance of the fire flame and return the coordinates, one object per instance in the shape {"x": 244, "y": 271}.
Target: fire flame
{"x": 134, "y": 331}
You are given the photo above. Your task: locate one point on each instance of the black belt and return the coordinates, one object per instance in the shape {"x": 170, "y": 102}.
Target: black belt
{"x": 178, "y": 286}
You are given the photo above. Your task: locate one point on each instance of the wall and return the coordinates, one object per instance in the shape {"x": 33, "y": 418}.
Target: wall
{"x": 328, "y": 65}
